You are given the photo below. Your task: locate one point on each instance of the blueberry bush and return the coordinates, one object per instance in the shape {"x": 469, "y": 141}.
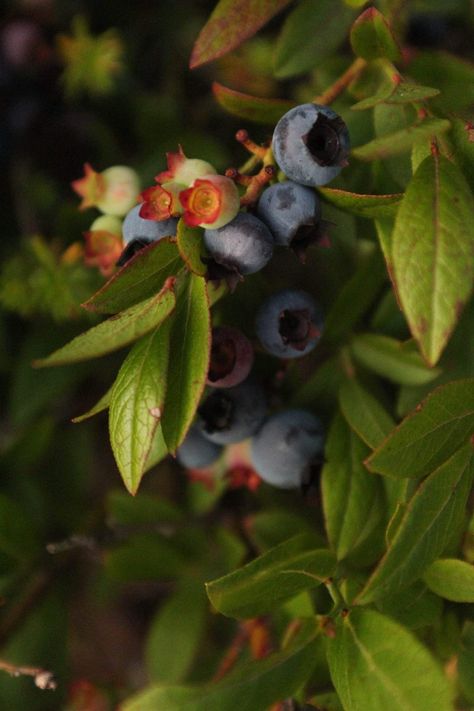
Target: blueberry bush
{"x": 241, "y": 260}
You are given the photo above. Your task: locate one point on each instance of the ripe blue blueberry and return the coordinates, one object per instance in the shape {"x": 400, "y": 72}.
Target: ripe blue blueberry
{"x": 311, "y": 144}
{"x": 197, "y": 452}
{"x": 289, "y": 323}
{"x": 138, "y": 232}
{"x": 288, "y": 449}
{"x": 231, "y": 357}
{"x": 292, "y": 213}
{"x": 233, "y": 414}
{"x": 243, "y": 246}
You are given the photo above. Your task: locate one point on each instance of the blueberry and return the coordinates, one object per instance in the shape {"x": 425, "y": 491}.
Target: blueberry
{"x": 138, "y": 232}
{"x": 231, "y": 357}
{"x": 292, "y": 213}
{"x": 231, "y": 415}
{"x": 242, "y": 246}
{"x": 311, "y": 144}
{"x": 197, "y": 452}
{"x": 289, "y": 323}
{"x": 288, "y": 448}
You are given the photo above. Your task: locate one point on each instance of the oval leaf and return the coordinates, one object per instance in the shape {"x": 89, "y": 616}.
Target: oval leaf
{"x": 117, "y": 331}
{"x": 191, "y": 247}
{"x": 452, "y": 579}
{"x": 232, "y": 22}
{"x": 363, "y": 205}
{"x": 428, "y": 436}
{"x": 137, "y": 403}
{"x": 190, "y": 348}
{"x": 425, "y": 527}
{"x": 397, "y": 93}
{"x": 364, "y": 413}
{"x": 139, "y": 279}
{"x": 250, "y": 108}
{"x": 392, "y": 144}
{"x": 377, "y": 664}
{"x": 433, "y": 252}
{"x": 272, "y": 578}
{"x": 371, "y": 37}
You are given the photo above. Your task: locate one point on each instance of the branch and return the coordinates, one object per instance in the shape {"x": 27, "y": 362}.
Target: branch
{"x": 353, "y": 71}
{"x": 43, "y": 679}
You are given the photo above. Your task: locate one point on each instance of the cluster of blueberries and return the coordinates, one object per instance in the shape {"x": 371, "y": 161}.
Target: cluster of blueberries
{"x": 310, "y": 145}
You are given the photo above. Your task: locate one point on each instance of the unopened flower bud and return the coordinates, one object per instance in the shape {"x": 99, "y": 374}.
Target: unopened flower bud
{"x": 212, "y": 201}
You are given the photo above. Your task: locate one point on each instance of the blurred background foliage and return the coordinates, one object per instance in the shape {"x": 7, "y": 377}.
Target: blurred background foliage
{"x": 96, "y": 585}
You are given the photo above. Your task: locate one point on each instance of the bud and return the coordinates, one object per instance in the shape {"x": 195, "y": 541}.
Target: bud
{"x": 113, "y": 192}
{"x": 184, "y": 170}
{"x": 212, "y": 201}
{"x": 161, "y": 201}
{"x": 103, "y": 244}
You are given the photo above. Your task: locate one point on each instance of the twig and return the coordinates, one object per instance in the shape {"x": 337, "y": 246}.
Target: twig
{"x": 43, "y": 679}
{"x": 328, "y": 96}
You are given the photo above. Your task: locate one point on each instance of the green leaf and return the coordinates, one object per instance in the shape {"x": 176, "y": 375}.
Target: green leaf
{"x": 145, "y": 557}
{"x": 355, "y": 298}
{"x": 350, "y": 495}
{"x": 158, "y": 450}
{"x": 311, "y": 32}
{"x": 430, "y": 434}
{"x": 384, "y": 230}
{"x": 399, "y": 362}
{"x": 272, "y": 578}
{"x": 267, "y": 529}
{"x": 433, "y": 252}
{"x": 251, "y": 108}
{"x": 394, "y": 143}
{"x": 100, "y": 406}
{"x": 140, "y": 510}
{"x": 142, "y": 277}
{"x": 230, "y": 24}
{"x": 399, "y": 92}
{"x": 363, "y": 205}
{"x": 191, "y": 247}
{"x": 137, "y": 404}
{"x": 454, "y": 77}
{"x": 424, "y": 528}
{"x": 255, "y": 686}
{"x": 413, "y": 607}
{"x": 377, "y": 664}
{"x": 372, "y": 38}
{"x": 462, "y": 136}
{"x": 364, "y": 413}
{"x": 452, "y": 579}
{"x": 117, "y": 331}
{"x": 176, "y": 632}
{"x": 190, "y": 349}
{"x": 465, "y": 666}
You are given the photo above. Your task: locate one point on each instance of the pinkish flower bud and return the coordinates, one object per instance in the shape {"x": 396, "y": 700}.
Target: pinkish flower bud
{"x": 103, "y": 244}
{"x": 113, "y": 192}
{"x": 212, "y": 201}
{"x": 161, "y": 201}
{"x": 184, "y": 170}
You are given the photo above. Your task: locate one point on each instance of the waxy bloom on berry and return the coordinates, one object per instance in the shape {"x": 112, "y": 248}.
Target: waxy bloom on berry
{"x": 103, "y": 244}
{"x": 113, "y": 192}
{"x": 184, "y": 170}
{"x": 212, "y": 201}
{"x": 161, "y": 201}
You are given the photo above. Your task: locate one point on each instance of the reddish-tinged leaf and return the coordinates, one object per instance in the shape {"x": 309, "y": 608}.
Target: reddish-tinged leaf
{"x": 251, "y": 108}
{"x": 371, "y": 37}
{"x": 363, "y": 205}
{"x": 232, "y": 22}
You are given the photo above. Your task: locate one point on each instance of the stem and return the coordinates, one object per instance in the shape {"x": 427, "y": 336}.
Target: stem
{"x": 335, "y": 593}
{"x": 43, "y": 679}
{"x": 351, "y": 73}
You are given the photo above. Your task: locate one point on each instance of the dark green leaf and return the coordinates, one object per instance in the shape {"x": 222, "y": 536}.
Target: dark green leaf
{"x": 137, "y": 403}
{"x": 190, "y": 349}
{"x": 158, "y": 450}
{"x": 465, "y": 664}
{"x": 117, "y": 331}
{"x": 271, "y": 579}
{"x": 433, "y": 252}
{"x": 269, "y": 528}
{"x": 371, "y": 37}
{"x": 254, "y": 686}
{"x": 394, "y": 143}
{"x": 100, "y": 406}
{"x": 462, "y": 135}
{"x": 452, "y": 579}
{"x": 428, "y": 436}
{"x": 413, "y": 607}
{"x": 454, "y": 77}
{"x": 251, "y": 108}
{"x": 363, "y": 205}
{"x": 424, "y": 528}
{"x": 175, "y": 633}
{"x": 394, "y": 360}
{"x": 145, "y": 557}
{"x": 350, "y": 495}
{"x": 142, "y": 277}
{"x": 364, "y": 413}
{"x": 232, "y": 22}
{"x": 311, "y": 32}
{"x": 377, "y": 664}
{"x": 191, "y": 247}
{"x": 17, "y": 534}
{"x": 140, "y": 510}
